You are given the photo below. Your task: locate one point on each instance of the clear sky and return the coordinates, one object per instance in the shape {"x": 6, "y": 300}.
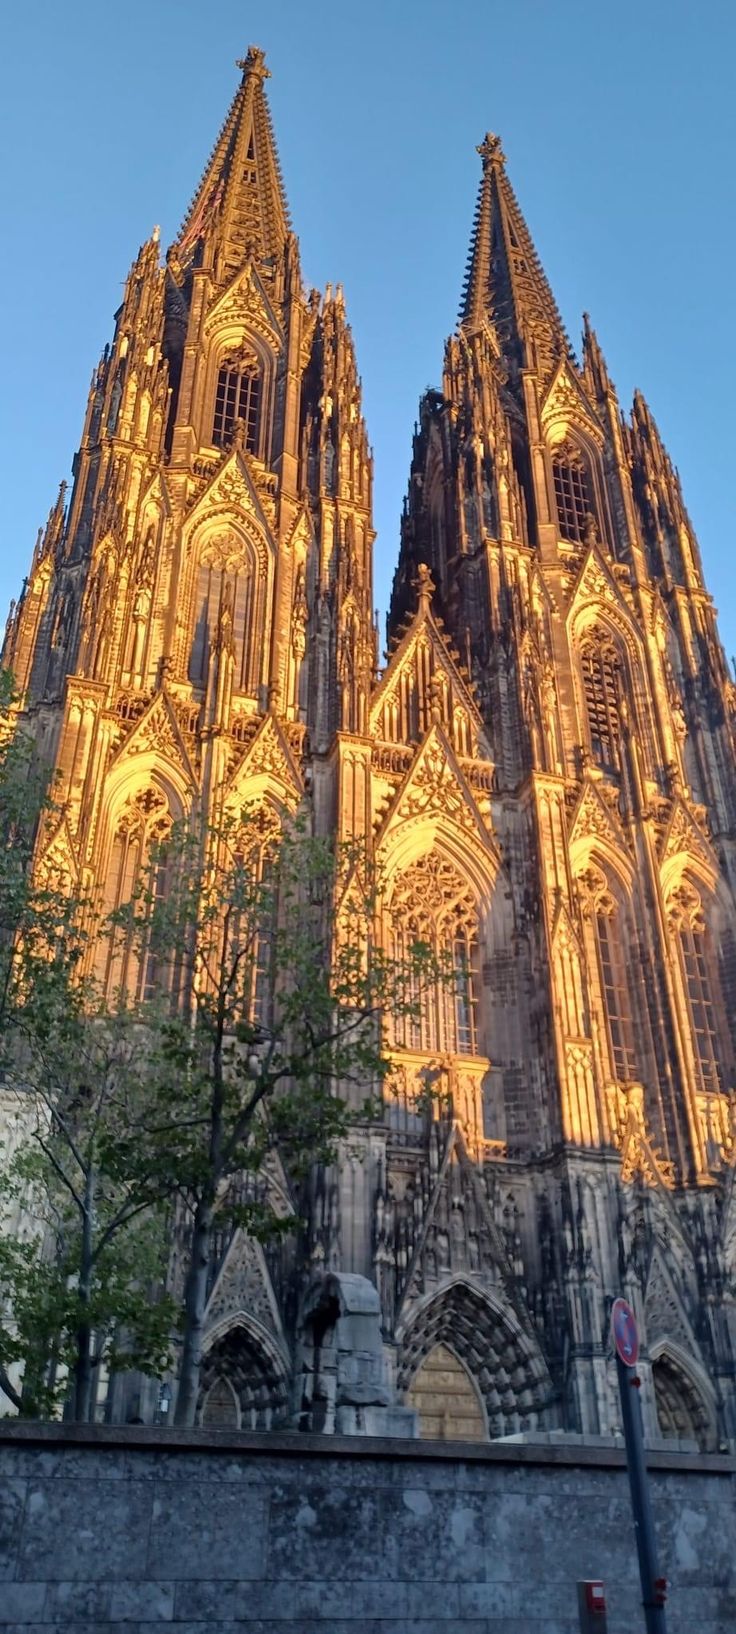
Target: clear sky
{"x": 619, "y": 125}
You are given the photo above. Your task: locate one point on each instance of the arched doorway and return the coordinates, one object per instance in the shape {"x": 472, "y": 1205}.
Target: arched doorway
{"x": 446, "y": 1399}
{"x": 499, "y": 1360}
{"x": 220, "y": 1407}
{"x": 241, "y": 1385}
{"x": 681, "y": 1411}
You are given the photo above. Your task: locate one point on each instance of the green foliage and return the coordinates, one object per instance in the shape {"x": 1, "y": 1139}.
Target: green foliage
{"x": 77, "y": 1287}
{"x": 145, "y": 1117}
{"x": 272, "y": 1038}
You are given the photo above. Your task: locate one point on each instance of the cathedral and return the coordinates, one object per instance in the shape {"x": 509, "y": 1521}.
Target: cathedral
{"x": 544, "y": 768}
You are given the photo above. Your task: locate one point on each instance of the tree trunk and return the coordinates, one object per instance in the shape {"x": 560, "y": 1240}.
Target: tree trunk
{"x": 83, "y": 1363}
{"x": 83, "y": 1375}
{"x": 10, "y": 1391}
{"x": 195, "y": 1300}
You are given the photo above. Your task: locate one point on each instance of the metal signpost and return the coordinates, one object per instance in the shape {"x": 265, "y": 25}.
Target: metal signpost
{"x": 626, "y": 1342}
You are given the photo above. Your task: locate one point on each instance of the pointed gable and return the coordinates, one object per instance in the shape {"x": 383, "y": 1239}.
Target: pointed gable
{"x": 566, "y": 404}
{"x": 683, "y": 840}
{"x": 423, "y": 679}
{"x": 233, "y": 490}
{"x": 594, "y": 819}
{"x": 435, "y": 788}
{"x": 267, "y": 766}
{"x": 596, "y": 585}
{"x": 246, "y": 304}
{"x": 158, "y": 733}
{"x": 458, "y": 1225}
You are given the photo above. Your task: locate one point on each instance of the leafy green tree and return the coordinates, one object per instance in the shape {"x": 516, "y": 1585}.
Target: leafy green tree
{"x": 84, "y": 1286}
{"x": 275, "y": 1037}
{"x": 81, "y": 1216}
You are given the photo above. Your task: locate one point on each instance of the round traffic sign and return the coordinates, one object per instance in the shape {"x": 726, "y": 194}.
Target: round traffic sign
{"x": 625, "y": 1332}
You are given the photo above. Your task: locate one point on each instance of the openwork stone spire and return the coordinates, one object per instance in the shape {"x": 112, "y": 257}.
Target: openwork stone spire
{"x": 240, "y": 203}
{"x": 505, "y": 283}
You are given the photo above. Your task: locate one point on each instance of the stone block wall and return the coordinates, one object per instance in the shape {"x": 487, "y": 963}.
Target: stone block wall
{"x": 136, "y": 1531}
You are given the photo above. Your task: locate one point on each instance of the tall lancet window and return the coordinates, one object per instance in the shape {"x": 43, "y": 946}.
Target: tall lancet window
{"x": 212, "y": 582}
{"x": 604, "y": 917}
{"x": 431, "y": 906}
{"x": 123, "y": 964}
{"x": 237, "y": 397}
{"x": 246, "y": 949}
{"x": 573, "y": 493}
{"x": 700, "y": 982}
{"x": 602, "y": 675}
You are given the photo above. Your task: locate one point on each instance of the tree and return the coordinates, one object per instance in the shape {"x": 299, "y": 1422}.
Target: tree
{"x": 275, "y": 1034}
{"x": 85, "y": 1283}
{"x": 83, "y": 1243}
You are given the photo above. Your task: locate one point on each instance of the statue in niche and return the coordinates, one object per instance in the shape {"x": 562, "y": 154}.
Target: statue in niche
{"x": 226, "y": 620}
{"x": 299, "y": 639}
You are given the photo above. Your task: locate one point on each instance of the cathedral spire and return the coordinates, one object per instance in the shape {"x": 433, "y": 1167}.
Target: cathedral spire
{"x": 504, "y": 279}
{"x": 240, "y": 205}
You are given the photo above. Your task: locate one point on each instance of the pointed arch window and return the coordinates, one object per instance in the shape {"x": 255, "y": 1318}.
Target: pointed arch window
{"x": 246, "y": 953}
{"x": 605, "y": 918}
{"x": 700, "y": 982}
{"x": 237, "y": 397}
{"x": 573, "y": 493}
{"x": 123, "y": 963}
{"x": 602, "y": 676}
{"x": 432, "y": 906}
{"x": 213, "y": 583}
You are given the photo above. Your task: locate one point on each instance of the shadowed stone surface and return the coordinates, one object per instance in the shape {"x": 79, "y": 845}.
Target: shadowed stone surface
{"x": 102, "y": 1530}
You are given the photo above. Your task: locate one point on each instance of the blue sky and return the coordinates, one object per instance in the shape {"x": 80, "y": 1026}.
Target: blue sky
{"x": 619, "y": 124}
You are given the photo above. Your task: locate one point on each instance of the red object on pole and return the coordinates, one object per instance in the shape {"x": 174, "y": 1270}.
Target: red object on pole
{"x": 625, "y": 1332}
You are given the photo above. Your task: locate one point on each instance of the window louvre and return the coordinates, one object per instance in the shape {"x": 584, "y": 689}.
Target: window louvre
{"x": 601, "y": 670}
{"x": 572, "y": 494}
{"x": 237, "y": 398}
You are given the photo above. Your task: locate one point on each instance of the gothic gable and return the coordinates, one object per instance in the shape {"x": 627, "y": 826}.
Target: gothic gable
{"x": 684, "y": 839}
{"x": 422, "y": 659}
{"x": 594, "y": 820}
{"x": 246, "y": 305}
{"x": 566, "y": 405}
{"x": 158, "y": 733}
{"x": 233, "y": 488}
{"x": 596, "y": 586}
{"x": 267, "y": 759}
{"x": 665, "y": 1313}
{"x": 457, "y": 1234}
{"x": 58, "y": 865}
{"x": 436, "y": 788}
{"x": 243, "y": 1287}
{"x": 156, "y": 494}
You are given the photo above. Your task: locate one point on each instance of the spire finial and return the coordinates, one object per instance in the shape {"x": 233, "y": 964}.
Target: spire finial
{"x": 491, "y": 151}
{"x": 254, "y": 63}
{"x": 423, "y": 583}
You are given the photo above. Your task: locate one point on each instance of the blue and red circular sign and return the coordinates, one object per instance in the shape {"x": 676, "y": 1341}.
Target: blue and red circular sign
{"x": 625, "y": 1332}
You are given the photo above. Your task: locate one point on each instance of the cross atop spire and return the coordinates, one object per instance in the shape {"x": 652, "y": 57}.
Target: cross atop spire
{"x": 240, "y": 207}
{"x": 505, "y": 284}
{"x": 491, "y": 151}
{"x": 254, "y": 62}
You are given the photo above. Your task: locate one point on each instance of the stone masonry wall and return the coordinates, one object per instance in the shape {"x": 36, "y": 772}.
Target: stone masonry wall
{"x": 138, "y": 1531}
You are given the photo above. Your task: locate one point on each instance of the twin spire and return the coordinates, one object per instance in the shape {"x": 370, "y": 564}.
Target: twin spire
{"x": 240, "y": 206}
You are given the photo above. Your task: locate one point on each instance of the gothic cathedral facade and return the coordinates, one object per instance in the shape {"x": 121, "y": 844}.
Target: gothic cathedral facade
{"x": 545, "y": 768}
